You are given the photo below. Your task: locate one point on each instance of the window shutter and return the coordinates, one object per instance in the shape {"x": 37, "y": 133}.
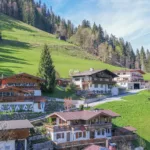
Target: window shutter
{"x": 76, "y": 135}
{"x": 39, "y": 105}
{"x": 84, "y": 134}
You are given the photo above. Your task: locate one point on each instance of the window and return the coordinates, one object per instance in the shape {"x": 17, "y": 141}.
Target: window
{"x": 103, "y": 132}
{"x": 96, "y": 85}
{"x": 109, "y": 86}
{"x": 84, "y": 134}
{"x": 58, "y": 135}
{"x": 98, "y": 132}
{"x": 62, "y": 135}
{"x": 76, "y": 135}
{"x": 80, "y": 134}
{"x": 77, "y": 79}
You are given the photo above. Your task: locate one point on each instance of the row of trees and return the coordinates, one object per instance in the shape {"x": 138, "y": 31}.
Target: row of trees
{"x": 93, "y": 38}
{"x": 37, "y": 15}
{"x": 110, "y": 49}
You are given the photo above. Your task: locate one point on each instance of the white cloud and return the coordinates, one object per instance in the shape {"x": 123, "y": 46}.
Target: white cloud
{"x": 123, "y": 18}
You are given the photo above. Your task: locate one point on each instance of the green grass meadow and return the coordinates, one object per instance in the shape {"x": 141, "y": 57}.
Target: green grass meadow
{"x": 21, "y": 48}
{"x": 134, "y": 111}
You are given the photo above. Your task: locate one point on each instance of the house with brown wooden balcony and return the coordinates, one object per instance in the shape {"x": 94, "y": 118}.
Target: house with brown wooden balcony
{"x": 95, "y": 80}
{"x": 130, "y": 79}
{"x": 81, "y": 128}
{"x": 14, "y": 134}
{"x": 21, "y": 92}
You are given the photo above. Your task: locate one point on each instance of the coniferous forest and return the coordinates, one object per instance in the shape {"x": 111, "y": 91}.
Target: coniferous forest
{"x": 91, "y": 37}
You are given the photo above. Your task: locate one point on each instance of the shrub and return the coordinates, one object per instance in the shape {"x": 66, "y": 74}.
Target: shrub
{"x": 70, "y": 88}
{"x": 81, "y": 107}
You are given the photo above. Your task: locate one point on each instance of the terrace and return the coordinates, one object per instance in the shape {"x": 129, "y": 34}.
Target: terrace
{"x": 60, "y": 128}
{"x": 93, "y": 141}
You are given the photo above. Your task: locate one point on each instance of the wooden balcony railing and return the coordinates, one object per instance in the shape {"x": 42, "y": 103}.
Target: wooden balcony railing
{"x": 79, "y": 143}
{"x": 93, "y": 141}
{"x": 16, "y": 98}
{"x": 60, "y": 128}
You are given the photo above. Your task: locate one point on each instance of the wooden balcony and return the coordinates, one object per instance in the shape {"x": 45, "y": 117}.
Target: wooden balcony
{"x": 61, "y": 128}
{"x": 16, "y": 98}
{"x": 93, "y": 141}
{"x": 79, "y": 143}
{"x": 98, "y": 81}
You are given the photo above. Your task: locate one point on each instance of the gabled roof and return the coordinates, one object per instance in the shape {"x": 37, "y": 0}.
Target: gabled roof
{"x": 15, "y": 124}
{"x": 88, "y": 73}
{"x": 83, "y": 115}
{"x": 24, "y": 74}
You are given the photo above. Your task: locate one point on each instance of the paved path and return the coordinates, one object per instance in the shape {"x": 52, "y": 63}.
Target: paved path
{"x": 114, "y": 98}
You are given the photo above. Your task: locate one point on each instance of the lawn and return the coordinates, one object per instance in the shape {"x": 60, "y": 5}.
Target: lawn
{"x": 21, "y": 48}
{"x": 134, "y": 111}
{"x": 22, "y": 44}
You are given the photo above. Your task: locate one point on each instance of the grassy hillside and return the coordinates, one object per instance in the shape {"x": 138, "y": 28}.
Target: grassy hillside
{"x": 134, "y": 111}
{"x": 21, "y": 48}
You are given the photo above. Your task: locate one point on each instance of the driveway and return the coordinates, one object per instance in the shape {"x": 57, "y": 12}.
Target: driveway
{"x": 114, "y": 98}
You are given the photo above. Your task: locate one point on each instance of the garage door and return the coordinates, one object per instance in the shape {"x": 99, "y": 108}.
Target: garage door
{"x": 136, "y": 86}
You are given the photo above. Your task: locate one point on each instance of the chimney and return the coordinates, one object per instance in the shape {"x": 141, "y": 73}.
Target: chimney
{"x": 91, "y": 69}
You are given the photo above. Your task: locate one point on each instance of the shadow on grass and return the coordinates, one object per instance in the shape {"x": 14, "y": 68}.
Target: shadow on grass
{"x": 8, "y": 23}
{"x": 12, "y": 59}
{"x": 9, "y": 58}
{"x": 5, "y": 72}
{"x": 8, "y": 51}
{"x": 18, "y": 44}
{"x": 142, "y": 142}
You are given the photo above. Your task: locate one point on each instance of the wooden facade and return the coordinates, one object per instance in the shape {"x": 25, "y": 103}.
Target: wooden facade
{"x": 81, "y": 128}
{"x": 14, "y": 134}
{"x": 21, "y": 91}
{"x": 95, "y": 80}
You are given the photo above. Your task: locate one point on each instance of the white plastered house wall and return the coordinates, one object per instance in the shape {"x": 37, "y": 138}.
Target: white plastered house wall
{"x": 129, "y": 76}
{"x": 63, "y": 139}
{"x": 10, "y": 145}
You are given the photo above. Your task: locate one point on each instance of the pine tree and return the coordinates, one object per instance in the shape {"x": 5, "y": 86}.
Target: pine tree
{"x": 94, "y": 28}
{"x": 100, "y": 35}
{"x": 47, "y": 70}
{"x": 138, "y": 61}
{"x": 143, "y": 59}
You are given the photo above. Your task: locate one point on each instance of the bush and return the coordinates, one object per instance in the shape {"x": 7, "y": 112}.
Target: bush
{"x": 81, "y": 107}
{"x": 70, "y": 88}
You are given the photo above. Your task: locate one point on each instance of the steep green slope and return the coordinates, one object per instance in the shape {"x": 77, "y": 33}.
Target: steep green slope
{"x": 22, "y": 44}
{"x": 134, "y": 111}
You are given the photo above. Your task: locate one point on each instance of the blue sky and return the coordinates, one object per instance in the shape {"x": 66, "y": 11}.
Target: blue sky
{"x": 129, "y": 19}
